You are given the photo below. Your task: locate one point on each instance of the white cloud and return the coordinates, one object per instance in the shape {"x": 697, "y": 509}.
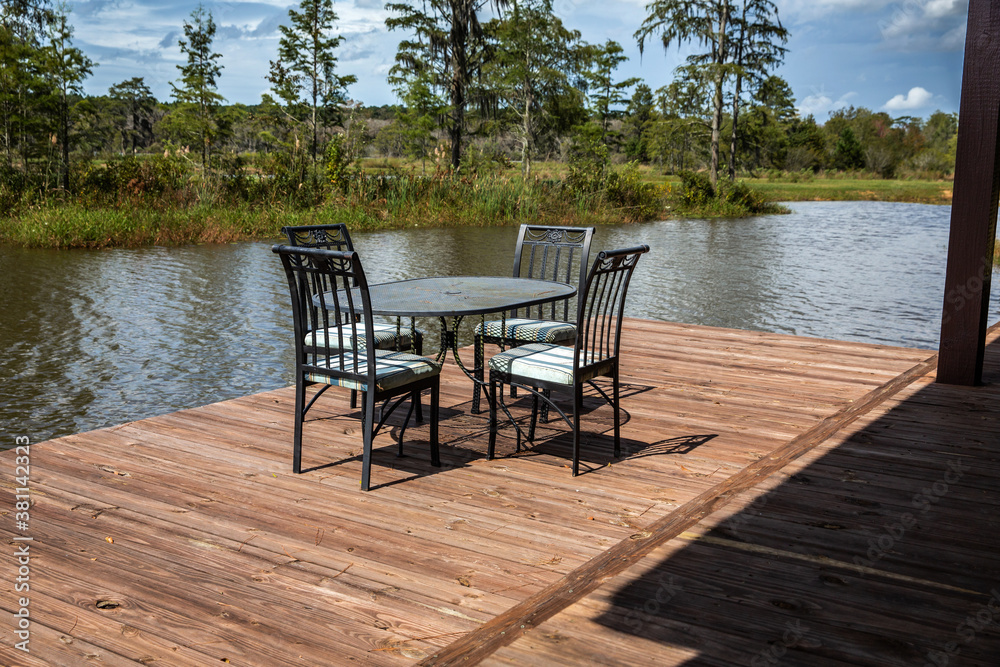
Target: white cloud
{"x": 943, "y": 8}
{"x": 810, "y": 10}
{"x": 814, "y": 104}
{"x": 917, "y": 98}
{"x": 821, "y": 103}
{"x": 921, "y": 25}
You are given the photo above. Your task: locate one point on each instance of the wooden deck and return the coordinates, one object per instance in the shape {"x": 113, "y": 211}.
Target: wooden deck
{"x": 769, "y": 506}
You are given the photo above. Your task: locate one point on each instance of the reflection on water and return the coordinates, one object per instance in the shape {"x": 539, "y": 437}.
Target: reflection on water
{"x": 97, "y": 338}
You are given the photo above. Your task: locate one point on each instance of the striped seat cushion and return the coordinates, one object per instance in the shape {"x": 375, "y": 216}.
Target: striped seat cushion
{"x": 535, "y": 331}
{"x": 540, "y": 361}
{"x": 385, "y": 337}
{"x": 392, "y": 369}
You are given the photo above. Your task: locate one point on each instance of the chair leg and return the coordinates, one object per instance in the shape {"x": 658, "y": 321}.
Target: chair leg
{"x": 368, "y": 427}
{"x": 414, "y": 397}
{"x": 534, "y": 416}
{"x": 492, "y": 397}
{"x": 577, "y": 404}
{"x": 435, "y": 405}
{"x": 477, "y": 372}
{"x": 354, "y": 399}
{"x": 417, "y": 407}
{"x": 300, "y": 405}
{"x": 547, "y": 393}
{"x": 415, "y": 400}
{"x": 615, "y": 404}
{"x": 419, "y": 348}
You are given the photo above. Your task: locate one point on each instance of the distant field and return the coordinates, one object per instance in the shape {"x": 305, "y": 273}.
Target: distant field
{"x": 833, "y": 188}
{"x": 921, "y": 192}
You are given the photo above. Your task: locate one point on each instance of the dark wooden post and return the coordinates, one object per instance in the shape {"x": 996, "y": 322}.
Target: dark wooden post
{"x": 974, "y": 206}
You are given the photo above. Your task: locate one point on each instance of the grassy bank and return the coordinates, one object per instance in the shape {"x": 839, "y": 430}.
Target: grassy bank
{"x": 365, "y": 203}
{"x": 149, "y": 201}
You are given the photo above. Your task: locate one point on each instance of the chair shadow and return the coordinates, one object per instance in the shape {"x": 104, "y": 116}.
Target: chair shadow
{"x": 596, "y": 435}
{"x": 683, "y": 444}
{"x": 463, "y": 437}
{"x": 416, "y": 452}
{"x": 594, "y": 445}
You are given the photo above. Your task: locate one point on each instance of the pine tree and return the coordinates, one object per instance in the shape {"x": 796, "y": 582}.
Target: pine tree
{"x": 135, "y": 103}
{"x": 66, "y": 67}
{"x": 307, "y": 65}
{"x": 197, "y": 95}
{"x": 707, "y": 22}
{"x": 24, "y": 89}
{"x": 604, "y": 92}
{"x": 534, "y": 59}
{"x": 448, "y": 49}
{"x": 756, "y": 52}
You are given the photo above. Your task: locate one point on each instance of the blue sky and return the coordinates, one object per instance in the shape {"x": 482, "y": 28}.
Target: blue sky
{"x": 899, "y": 56}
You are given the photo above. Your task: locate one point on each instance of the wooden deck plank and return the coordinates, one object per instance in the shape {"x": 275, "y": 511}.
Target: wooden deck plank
{"x": 203, "y": 513}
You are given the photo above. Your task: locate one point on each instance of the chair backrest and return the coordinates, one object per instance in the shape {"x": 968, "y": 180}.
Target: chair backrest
{"x": 602, "y": 305}
{"x": 324, "y": 284}
{"x": 331, "y": 237}
{"x": 553, "y": 253}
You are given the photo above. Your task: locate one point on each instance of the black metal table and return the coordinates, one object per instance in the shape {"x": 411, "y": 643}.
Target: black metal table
{"x": 458, "y": 297}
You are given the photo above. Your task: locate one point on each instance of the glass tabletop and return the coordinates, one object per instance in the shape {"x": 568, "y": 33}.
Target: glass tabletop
{"x": 460, "y": 296}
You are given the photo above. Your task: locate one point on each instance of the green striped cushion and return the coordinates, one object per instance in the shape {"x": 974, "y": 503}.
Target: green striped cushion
{"x": 392, "y": 369}
{"x": 385, "y": 337}
{"x": 540, "y": 361}
{"x": 535, "y": 331}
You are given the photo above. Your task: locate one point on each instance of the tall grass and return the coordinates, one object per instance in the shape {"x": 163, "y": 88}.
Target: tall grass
{"x": 164, "y": 201}
{"x": 161, "y": 200}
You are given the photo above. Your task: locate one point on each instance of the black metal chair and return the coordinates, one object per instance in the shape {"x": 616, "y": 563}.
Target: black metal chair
{"x": 330, "y": 349}
{"x": 546, "y": 253}
{"x": 388, "y": 336}
{"x": 546, "y": 366}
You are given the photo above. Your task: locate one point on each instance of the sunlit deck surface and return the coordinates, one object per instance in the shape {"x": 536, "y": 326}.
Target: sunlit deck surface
{"x": 749, "y": 521}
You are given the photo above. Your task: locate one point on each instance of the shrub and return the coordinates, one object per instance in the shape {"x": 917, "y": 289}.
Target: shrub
{"x": 131, "y": 178}
{"x": 696, "y": 189}
{"x": 625, "y": 190}
{"x": 14, "y": 186}
{"x": 588, "y": 166}
{"x": 483, "y": 161}
{"x": 741, "y": 195}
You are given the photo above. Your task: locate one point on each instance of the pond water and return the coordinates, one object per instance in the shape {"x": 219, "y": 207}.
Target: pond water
{"x": 97, "y": 338}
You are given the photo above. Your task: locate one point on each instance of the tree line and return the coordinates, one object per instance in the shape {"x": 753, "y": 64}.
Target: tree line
{"x": 476, "y": 81}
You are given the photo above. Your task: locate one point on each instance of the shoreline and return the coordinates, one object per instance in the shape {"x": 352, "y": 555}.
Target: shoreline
{"x": 74, "y": 225}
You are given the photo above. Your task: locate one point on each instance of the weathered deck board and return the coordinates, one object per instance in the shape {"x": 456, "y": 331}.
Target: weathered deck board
{"x": 217, "y": 552}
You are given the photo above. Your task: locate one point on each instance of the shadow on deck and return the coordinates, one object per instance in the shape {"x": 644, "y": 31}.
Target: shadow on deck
{"x": 877, "y": 548}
